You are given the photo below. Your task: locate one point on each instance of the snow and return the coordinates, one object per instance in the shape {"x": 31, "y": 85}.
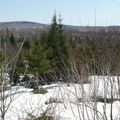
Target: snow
{"x": 75, "y": 100}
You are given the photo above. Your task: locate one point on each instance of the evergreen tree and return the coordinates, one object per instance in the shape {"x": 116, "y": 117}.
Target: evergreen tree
{"x": 56, "y": 41}
{"x": 37, "y": 59}
{"x": 12, "y": 40}
{"x": 17, "y": 68}
{"x": 12, "y": 46}
{"x": 62, "y": 46}
{"x": 53, "y": 38}
{"x": 26, "y": 45}
{"x": 26, "y": 49}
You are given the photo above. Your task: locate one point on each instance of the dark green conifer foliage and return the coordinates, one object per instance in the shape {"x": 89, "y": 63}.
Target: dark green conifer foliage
{"x": 26, "y": 45}
{"x": 56, "y": 42}
{"x": 17, "y": 67}
{"x": 12, "y": 40}
{"x": 37, "y": 59}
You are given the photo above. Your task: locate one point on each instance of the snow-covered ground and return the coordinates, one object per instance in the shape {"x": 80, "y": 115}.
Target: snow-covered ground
{"x": 65, "y": 102}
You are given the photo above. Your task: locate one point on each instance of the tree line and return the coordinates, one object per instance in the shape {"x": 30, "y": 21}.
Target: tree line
{"x": 54, "y": 51}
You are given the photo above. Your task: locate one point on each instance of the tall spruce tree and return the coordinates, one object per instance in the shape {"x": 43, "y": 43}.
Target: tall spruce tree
{"x": 56, "y": 42}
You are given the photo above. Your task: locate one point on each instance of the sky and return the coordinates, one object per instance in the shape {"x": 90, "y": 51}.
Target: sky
{"x": 73, "y": 12}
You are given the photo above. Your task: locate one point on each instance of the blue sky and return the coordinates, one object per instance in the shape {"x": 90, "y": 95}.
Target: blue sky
{"x": 74, "y": 12}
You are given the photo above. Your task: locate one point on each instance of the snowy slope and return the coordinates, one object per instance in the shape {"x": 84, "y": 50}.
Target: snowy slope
{"x": 72, "y": 102}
